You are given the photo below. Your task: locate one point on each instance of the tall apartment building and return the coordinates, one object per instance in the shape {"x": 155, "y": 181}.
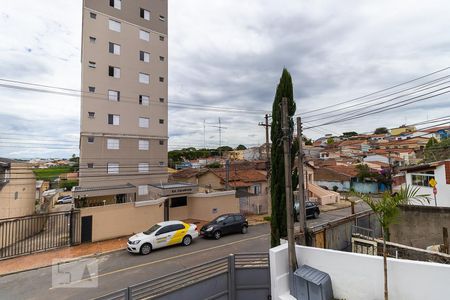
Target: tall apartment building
{"x": 124, "y": 131}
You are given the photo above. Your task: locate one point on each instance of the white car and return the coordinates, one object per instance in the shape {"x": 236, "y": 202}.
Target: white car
{"x": 161, "y": 235}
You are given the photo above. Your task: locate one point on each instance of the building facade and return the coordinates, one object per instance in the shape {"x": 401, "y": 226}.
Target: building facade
{"x": 124, "y": 112}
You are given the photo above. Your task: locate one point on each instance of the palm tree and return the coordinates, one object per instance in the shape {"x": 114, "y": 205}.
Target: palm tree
{"x": 387, "y": 211}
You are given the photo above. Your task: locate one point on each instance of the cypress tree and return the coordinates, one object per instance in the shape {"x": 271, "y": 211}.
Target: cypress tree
{"x": 277, "y": 184}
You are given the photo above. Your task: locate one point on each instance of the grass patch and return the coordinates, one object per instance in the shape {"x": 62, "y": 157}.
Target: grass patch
{"x": 51, "y": 173}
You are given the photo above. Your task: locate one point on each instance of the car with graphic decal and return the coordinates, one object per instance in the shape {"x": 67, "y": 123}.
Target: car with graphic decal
{"x": 161, "y": 235}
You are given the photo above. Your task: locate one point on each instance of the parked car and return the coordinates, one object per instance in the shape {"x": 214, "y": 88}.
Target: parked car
{"x": 225, "y": 224}
{"x": 312, "y": 209}
{"x": 65, "y": 200}
{"x": 161, "y": 235}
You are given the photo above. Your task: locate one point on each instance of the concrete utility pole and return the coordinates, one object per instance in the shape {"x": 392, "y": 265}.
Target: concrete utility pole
{"x": 301, "y": 183}
{"x": 288, "y": 183}
{"x": 227, "y": 176}
{"x": 266, "y": 125}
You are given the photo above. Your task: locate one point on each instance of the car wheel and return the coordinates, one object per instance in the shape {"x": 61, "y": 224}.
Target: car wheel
{"x": 316, "y": 215}
{"x": 186, "y": 240}
{"x": 146, "y": 249}
{"x": 244, "y": 229}
{"x": 217, "y": 235}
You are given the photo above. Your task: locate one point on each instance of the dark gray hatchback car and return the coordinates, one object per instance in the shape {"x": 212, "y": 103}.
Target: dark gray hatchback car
{"x": 225, "y": 224}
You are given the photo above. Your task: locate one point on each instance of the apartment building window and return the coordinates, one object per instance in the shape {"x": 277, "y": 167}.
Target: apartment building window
{"x": 143, "y": 190}
{"x": 161, "y": 100}
{"x": 113, "y": 119}
{"x": 162, "y": 18}
{"x": 144, "y": 122}
{"x": 113, "y": 95}
{"x": 161, "y": 38}
{"x": 161, "y": 142}
{"x": 92, "y": 64}
{"x": 117, "y": 4}
{"x": 144, "y": 144}
{"x": 144, "y": 56}
{"x": 161, "y": 79}
{"x": 90, "y": 165}
{"x": 161, "y": 58}
{"x": 161, "y": 121}
{"x": 144, "y": 35}
{"x": 93, "y": 15}
{"x": 113, "y": 144}
{"x": 114, "y": 25}
{"x": 91, "y": 114}
{"x": 144, "y": 78}
{"x": 143, "y": 168}
{"x": 91, "y": 89}
{"x": 90, "y": 139}
{"x": 161, "y": 164}
{"x": 114, "y": 72}
{"x": 145, "y": 14}
{"x": 144, "y": 100}
{"x": 114, "y": 48}
{"x": 92, "y": 39}
{"x": 113, "y": 168}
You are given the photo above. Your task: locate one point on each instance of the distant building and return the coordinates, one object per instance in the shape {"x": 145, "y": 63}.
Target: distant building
{"x": 402, "y": 129}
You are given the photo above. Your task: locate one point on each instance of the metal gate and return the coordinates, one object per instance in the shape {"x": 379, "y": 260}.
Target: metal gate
{"x": 30, "y": 234}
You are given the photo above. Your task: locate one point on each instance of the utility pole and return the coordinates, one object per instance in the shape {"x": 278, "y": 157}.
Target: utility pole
{"x": 266, "y": 125}
{"x": 288, "y": 185}
{"x": 301, "y": 184}
{"x": 220, "y": 138}
{"x": 227, "y": 176}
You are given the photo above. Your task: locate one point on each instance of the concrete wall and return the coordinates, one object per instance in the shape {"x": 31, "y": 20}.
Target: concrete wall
{"x": 358, "y": 276}
{"x": 17, "y": 198}
{"x": 208, "y": 206}
{"x": 210, "y": 179}
{"x": 111, "y": 221}
{"x": 365, "y": 187}
{"x": 179, "y": 213}
{"x": 420, "y": 226}
{"x": 342, "y": 185}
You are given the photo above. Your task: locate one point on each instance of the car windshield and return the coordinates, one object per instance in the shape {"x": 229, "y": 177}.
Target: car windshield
{"x": 219, "y": 219}
{"x": 152, "y": 229}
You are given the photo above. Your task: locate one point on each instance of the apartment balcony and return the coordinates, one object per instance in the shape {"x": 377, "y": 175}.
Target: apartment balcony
{"x": 358, "y": 276}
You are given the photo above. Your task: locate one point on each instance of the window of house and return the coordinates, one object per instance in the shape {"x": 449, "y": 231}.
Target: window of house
{"x": 162, "y": 18}
{"x": 92, "y": 39}
{"x": 145, "y": 14}
{"x": 144, "y": 144}
{"x": 161, "y": 121}
{"x": 144, "y": 56}
{"x": 113, "y": 119}
{"x": 161, "y": 38}
{"x": 92, "y": 64}
{"x": 143, "y": 190}
{"x": 114, "y": 25}
{"x": 161, "y": 100}
{"x": 113, "y": 168}
{"x": 143, "y": 167}
{"x": 114, "y": 48}
{"x": 144, "y": 100}
{"x": 422, "y": 179}
{"x": 161, "y": 142}
{"x": 144, "y": 35}
{"x": 144, "y": 122}
{"x": 16, "y": 195}
{"x": 161, "y": 58}
{"x": 90, "y": 165}
{"x": 93, "y": 15}
{"x": 116, "y": 4}
{"x": 256, "y": 189}
{"x": 90, "y": 139}
{"x": 113, "y": 95}
{"x": 178, "y": 201}
{"x": 113, "y": 144}
{"x": 114, "y": 72}
{"x": 161, "y": 79}
{"x": 144, "y": 78}
{"x": 91, "y": 89}
{"x": 91, "y": 114}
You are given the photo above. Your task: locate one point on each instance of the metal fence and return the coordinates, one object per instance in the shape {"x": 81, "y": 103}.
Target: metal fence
{"x": 236, "y": 277}
{"x": 29, "y": 234}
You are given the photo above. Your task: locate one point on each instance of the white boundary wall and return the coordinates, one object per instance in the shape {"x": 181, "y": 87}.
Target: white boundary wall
{"x": 358, "y": 276}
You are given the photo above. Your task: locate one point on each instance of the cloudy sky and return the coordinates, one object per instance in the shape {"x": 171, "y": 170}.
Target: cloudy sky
{"x": 230, "y": 54}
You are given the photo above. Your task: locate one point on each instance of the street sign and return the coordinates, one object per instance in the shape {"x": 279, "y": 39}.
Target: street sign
{"x": 434, "y": 190}
{"x": 432, "y": 182}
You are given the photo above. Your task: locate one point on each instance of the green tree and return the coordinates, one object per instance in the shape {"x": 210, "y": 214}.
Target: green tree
{"x": 381, "y": 130}
{"x": 431, "y": 142}
{"x": 277, "y": 184}
{"x": 436, "y": 151}
{"x": 330, "y": 141}
{"x": 387, "y": 211}
{"x": 214, "y": 165}
{"x": 364, "y": 172}
{"x": 241, "y": 147}
{"x": 349, "y": 134}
